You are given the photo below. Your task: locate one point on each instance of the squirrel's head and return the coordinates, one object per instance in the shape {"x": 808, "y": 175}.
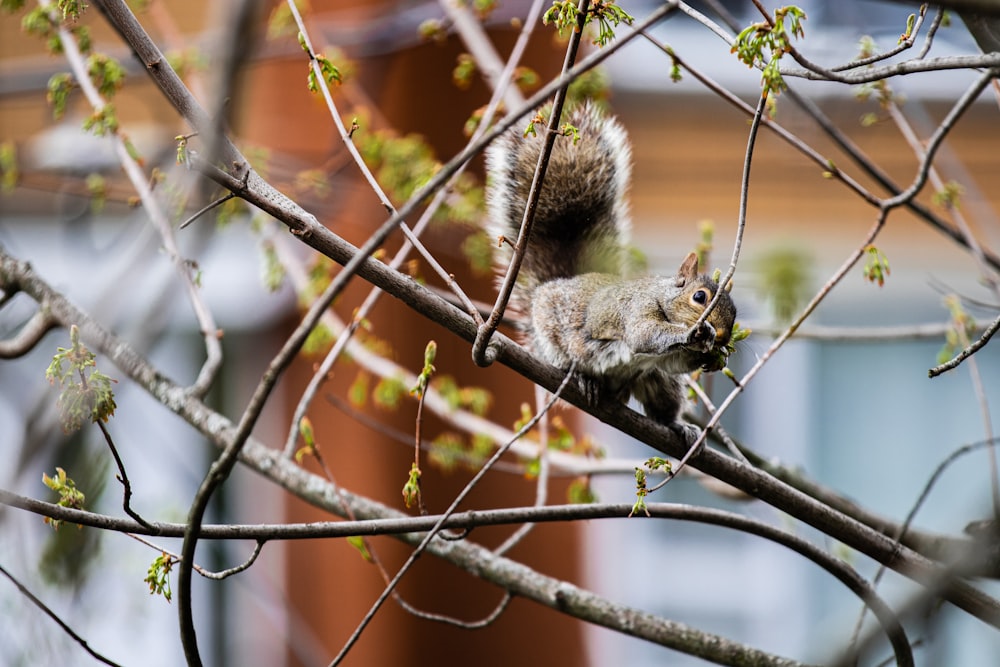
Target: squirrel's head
{"x": 697, "y": 292}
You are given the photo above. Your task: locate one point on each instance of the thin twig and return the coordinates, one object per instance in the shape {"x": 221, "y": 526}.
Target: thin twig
{"x": 208, "y": 574}
{"x": 541, "y": 478}
{"x": 903, "y": 45}
{"x": 440, "y": 523}
{"x": 205, "y": 209}
{"x": 966, "y": 352}
{"x": 51, "y": 614}
{"x": 121, "y": 477}
{"x": 486, "y": 330}
{"x": 699, "y": 442}
{"x": 135, "y": 174}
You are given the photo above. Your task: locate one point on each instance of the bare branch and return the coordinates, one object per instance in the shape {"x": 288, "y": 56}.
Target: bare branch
{"x": 575, "y": 601}
{"x": 967, "y": 352}
{"x": 985, "y": 61}
{"x": 29, "y": 335}
{"x": 122, "y": 476}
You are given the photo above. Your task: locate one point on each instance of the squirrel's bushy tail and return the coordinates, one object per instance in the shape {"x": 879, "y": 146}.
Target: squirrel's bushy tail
{"x": 581, "y": 222}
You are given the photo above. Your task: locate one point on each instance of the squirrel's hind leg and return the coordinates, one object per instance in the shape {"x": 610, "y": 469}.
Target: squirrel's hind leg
{"x": 662, "y": 397}
{"x": 600, "y": 391}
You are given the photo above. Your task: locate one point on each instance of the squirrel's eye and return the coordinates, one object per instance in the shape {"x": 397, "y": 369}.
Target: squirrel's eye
{"x": 700, "y": 297}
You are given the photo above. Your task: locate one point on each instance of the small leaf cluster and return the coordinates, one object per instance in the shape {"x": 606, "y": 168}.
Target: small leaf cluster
{"x": 876, "y": 268}
{"x": 402, "y": 165}
{"x": 449, "y": 450}
{"x": 764, "y": 43}
{"x": 565, "y": 16}
{"x": 722, "y": 354}
{"x": 327, "y": 69}
{"x": 272, "y": 270}
{"x": 57, "y": 95}
{"x": 571, "y": 131}
{"x": 482, "y": 8}
{"x": 433, "y": 30}
{"x": 474, "y": 399}
{"x": 427, "y": 372}
{"x": 581, "y": 492}
{"x": 86, "y": 393}
{"x": 961, "y": 329}
{"x": 158, "y": 576}
{"x": 102, "y": 122}
{"x": 411, "y": 489}
{"x": 641, "y": 491}
{"x": 106, "y": 73}
{"x": 69, "y": 495}
{"x": 9, "y": 171}
{"x": 464, "y": 70}
{"x": 358, "y": 543}
{"x": 308, "y": 439}
{"x": 949, "y": 195}
{"x": 784, "y": 280}
{"x": 608, "y": 16}
{"x": 654, "y": 464}
{"x": 319, "y": 340}
{"x": 389, "y": 392}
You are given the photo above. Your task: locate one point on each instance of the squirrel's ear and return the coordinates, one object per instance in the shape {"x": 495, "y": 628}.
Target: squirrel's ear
{"x": 688, "y": 270}
{"x": 729, "y": 286}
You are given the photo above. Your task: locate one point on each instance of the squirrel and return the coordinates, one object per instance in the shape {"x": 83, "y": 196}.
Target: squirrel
{"x": 627, "y": 336}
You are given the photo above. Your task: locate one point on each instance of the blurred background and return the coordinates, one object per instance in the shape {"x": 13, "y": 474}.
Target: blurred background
{"x": 858, "y": 415}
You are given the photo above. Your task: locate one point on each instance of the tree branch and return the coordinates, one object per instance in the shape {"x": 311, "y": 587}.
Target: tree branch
{"x": 413, "y": 528}
{"x": 750, "y": 480}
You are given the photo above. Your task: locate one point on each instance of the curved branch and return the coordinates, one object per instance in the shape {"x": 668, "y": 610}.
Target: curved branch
{"x": 411, "y": 528}
{"x": 29, "y": 335}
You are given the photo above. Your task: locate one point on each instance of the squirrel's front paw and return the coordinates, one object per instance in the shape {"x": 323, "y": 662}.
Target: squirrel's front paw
{"x": 701, "y": 339}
